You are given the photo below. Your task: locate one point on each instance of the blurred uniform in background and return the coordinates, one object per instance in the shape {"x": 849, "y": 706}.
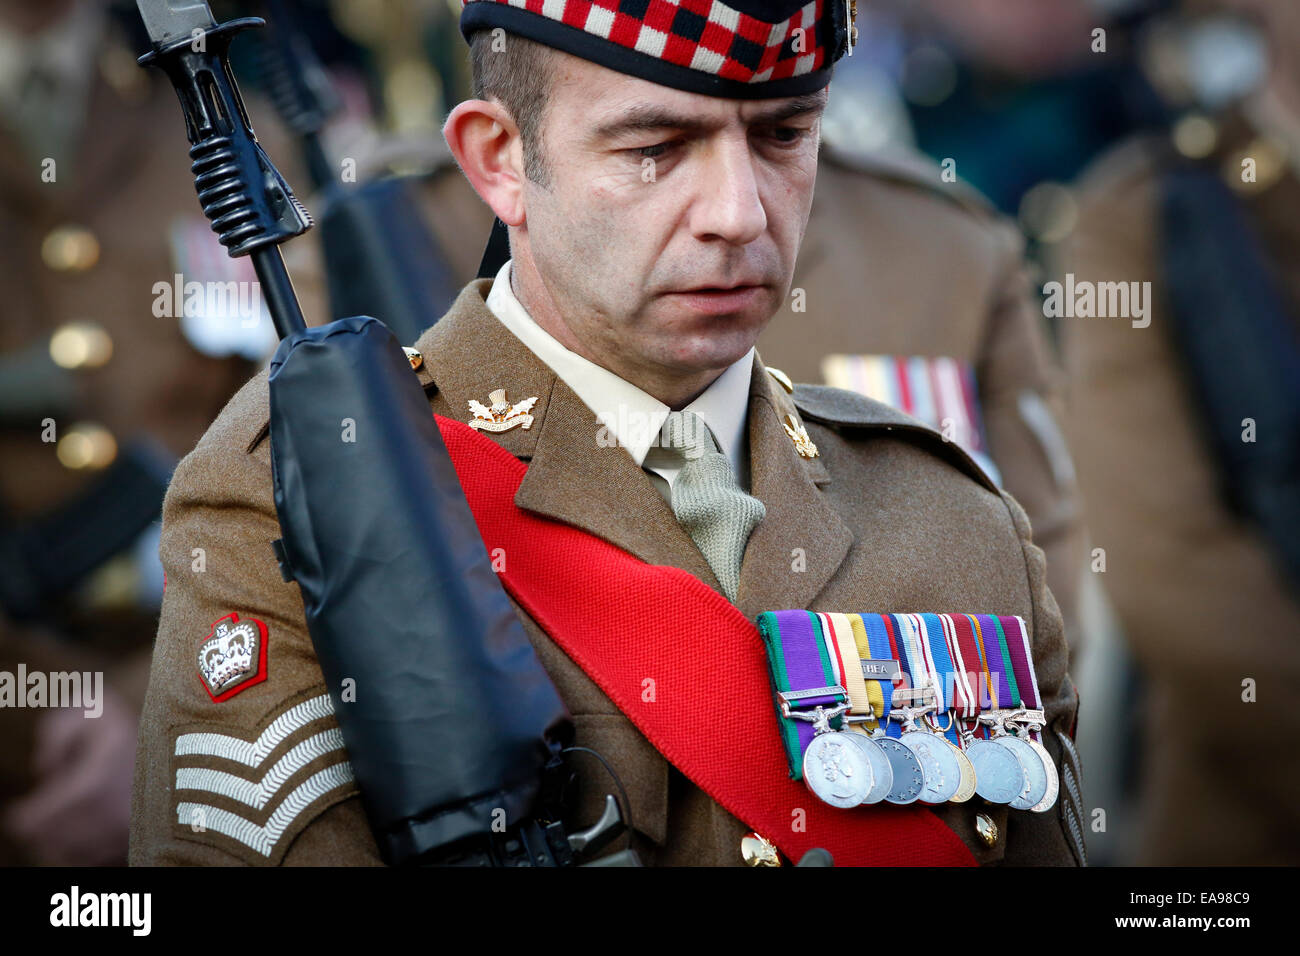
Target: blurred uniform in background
{"x": 104, "y": 384}
{"x": 1018, "y": 92}
{"x": 1208, "y": 212}
{"x": 913, "y": 291}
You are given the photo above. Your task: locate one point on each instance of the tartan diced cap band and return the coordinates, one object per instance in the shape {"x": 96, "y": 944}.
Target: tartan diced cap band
{"x": 740, "y": 49}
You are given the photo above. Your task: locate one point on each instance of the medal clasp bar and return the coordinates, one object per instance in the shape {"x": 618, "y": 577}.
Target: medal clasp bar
{"x": 903, "y": 696}
{"x": 791, "y": 698}
{"x": 1026, "y": 721}
{"x": 820, "y": 716}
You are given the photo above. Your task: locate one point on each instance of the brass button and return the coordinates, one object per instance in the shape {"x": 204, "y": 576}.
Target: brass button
{"x": 986, "y": 828}
{"x": 757, "y": 851}
{"x": 70, "y": 248}
{"x": 86, "y": 446}
{"x": 781, "y": 377}
{"x": 77, "y": 345}
{"x": 414, "y": 357}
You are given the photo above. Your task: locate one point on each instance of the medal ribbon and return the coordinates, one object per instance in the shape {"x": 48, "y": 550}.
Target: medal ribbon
{"x": 991, "y": 656}
{"x": 920, "y": 648}
{"x": 989, "y": 689}
{"x": 913, "y": 665}
{"x": 798, "y": 659}
{"x": 1022, "y": 660}
{"x": 942, "y": 670}
{"x": 840, "y": 631}
{"x": 963, "y": 691}
{"x": 1013, "y": 698}
{"x": 880, "y": 647}
{"x": 965, "y": 625}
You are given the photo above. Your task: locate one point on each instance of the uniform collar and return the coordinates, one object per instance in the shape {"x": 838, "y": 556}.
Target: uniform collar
{"x": 576, "y": 478}
{"x": 632, "y": 416}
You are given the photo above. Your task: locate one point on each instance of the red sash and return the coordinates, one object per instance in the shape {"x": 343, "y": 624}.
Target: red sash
{"x": 711, "y": 715}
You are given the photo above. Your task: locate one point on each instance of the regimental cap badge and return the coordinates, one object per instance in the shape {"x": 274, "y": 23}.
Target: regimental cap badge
{"x": 501, "y": 416}
{"x": 799, "y": 435}
{"x": 232, "y": 657}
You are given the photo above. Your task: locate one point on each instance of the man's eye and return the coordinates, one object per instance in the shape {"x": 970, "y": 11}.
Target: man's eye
{"x": 652, "y": 152}
{"x": 789, "y": 135}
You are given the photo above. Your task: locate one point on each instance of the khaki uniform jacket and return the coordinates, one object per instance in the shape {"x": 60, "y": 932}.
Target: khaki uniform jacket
{"x": 1201, "y": 605}
{"x": 897, "y": 262}
{"x": 889, "y": 516}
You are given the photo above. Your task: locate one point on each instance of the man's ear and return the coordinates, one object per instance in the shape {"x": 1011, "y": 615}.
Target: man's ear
{"x": 486, "y": 143}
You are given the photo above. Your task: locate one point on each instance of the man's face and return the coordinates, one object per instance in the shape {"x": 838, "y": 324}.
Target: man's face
{"x": 667, "y": 233}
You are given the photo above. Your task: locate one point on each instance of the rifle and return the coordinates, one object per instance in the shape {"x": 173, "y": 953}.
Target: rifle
{"x": 398, "y": 591}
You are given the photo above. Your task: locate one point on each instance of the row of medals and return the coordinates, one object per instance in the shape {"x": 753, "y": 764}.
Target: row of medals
{"x": 846, "y": 768}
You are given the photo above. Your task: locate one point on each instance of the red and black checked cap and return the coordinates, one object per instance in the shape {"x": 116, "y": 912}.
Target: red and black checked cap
{"x": 740, "y": 49}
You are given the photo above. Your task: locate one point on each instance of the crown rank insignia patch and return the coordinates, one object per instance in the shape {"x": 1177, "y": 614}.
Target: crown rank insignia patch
{"x": 232, "y": 657}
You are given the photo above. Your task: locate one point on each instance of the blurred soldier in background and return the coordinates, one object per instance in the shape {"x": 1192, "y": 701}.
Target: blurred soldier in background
{"x": 104, "y": 383}
{"x": 1019, "y": 92}
{"x": 1196, "y": 512}
{"x": 913, "y": 291}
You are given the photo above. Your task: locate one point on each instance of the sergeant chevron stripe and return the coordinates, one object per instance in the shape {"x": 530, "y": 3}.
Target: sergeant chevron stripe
{"x": 271, "y": 782}
{"x": 264, "y": 838}
{"x": 252, "y": 754}
{"x": 258, "y": 793}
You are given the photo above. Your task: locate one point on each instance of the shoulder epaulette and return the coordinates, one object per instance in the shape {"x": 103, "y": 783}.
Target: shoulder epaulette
{"x": 843, "y": 409}
{"x": 909, "y": 168}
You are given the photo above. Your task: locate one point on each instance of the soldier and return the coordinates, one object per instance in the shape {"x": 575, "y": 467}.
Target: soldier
{"x": 656, "y": 193}
{"x": 1200, "y": 586}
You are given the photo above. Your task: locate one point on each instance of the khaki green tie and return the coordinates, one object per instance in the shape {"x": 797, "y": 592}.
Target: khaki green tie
{"x": 708, "y": 502}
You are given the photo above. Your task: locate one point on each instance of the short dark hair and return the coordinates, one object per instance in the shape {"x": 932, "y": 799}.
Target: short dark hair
{"x": 519, "y": 77}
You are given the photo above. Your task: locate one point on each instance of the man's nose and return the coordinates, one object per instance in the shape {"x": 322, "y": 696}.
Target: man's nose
{"x": 728, "y": 205}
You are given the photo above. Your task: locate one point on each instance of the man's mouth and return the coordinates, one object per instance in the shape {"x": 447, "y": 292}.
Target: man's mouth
{"x": 720, "y": 300}
{"x": 733, "y": 287}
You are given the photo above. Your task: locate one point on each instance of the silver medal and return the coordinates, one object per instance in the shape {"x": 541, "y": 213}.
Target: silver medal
{"x": 836, "y": 770}
{"x": 998, "y": 776}
{"x": 881, "y": 770}
{"x": 942, "y": 772}
{"x": 1035, "y": 776}
{"x": 909, "y": 780}
{"x": 1053, "y": 781}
